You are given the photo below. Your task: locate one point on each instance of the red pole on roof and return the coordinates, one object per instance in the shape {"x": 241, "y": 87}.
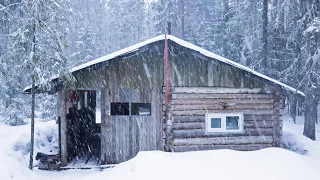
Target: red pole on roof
{"x": 167, "y": 69}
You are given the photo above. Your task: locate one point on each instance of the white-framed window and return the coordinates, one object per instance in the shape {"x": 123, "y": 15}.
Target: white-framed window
{"x": 224, "y": 122}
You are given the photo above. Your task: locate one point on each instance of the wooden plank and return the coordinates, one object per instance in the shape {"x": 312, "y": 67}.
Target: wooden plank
{"x": 214, "y": 90}
{"x": 136, "y": 135}
{"x": 201, "y": 118}
{"x": 277, "y": 128}
{"x": 247, "y": 147}
{"x": 114, "y": 155}
{"x": 131, "y": 137}
{"x": 201, "y": 125}
{"x": 258, "y": 117}
{"x": 218, "y": 107}
{"x": 258, "y": 124}
{"x": 192, "y": 125}
{"x": 198, "y": 133}
{"x": 188, "y": 119}
{"x": 106, "y": 128}
{"x": 107, "y": 166}
{"x": 122, "y": 138}
{"x": 62, "y": 98}
{"x": 125, "y": 138}
{"x": 103, "y": 140}
{"x": 219, "y": 96}
{"x": 210, "y": 73}
{"x": 225, "y": 140}
{"x": 118, "y": 140}
{"x": 203, "y": 112}
{"x": 216, "y": 101}
{"x": 147, "y": 136}
{"x": 156, "y": 114}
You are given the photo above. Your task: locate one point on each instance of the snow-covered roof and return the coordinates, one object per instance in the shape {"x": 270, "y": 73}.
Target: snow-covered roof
{"x": 184, "y": 44}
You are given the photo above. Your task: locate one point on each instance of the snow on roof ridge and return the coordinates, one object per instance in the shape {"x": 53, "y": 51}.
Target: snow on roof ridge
{"x": 184, "y": 44}
{"x": 228, "y": 61}
{"x": 118, "y": 53}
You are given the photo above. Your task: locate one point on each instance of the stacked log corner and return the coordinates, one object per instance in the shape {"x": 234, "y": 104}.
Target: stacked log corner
{"x": 277, "y": 121}
{"x": 168, "y": 146}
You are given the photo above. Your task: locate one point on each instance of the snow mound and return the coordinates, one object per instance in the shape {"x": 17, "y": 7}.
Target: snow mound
{"x": 297, "y": 143}
{"x": 16, "y": 141}
{"x": 294, "y": 140}
{"x": 266, "y": 164}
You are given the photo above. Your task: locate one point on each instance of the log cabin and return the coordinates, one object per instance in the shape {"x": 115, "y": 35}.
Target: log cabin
{"x": 132, "y": 100}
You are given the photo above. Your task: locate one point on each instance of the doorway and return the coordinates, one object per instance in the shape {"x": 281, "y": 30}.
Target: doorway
{"x": 83, "y": 133}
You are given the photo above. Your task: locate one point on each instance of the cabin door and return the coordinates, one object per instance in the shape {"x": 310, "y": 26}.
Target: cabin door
{"x": 133, "y": 127}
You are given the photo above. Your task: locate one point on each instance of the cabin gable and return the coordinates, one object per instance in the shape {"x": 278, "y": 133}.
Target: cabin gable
{"x": 200, "y": 86}
{"x": 189, "y": 68}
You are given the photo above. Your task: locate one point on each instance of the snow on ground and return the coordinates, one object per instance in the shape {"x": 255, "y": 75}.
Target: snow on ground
{"x": 301, "y": 162}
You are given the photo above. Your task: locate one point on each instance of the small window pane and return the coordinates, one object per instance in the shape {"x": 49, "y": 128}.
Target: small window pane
{"x": 232, "y": 122}
{"x": 79, "y": 105}
{"x": 120, "y": 109}
{"x": 215, "y": 122}
{"x": 86, "y": 99}
{"x": 98, "y": 106}
{"x": 140, "y": 108}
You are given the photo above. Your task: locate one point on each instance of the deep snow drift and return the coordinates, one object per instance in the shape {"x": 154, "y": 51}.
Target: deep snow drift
{"x": 272, "y": 163}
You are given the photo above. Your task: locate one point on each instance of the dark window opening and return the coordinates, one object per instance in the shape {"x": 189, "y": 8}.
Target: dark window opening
{"x": 215, "y": 122}
{"x": 140, "y": 109}
{"x": 120, "y": 109}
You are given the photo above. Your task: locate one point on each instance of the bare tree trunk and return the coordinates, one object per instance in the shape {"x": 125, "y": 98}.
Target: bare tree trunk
{"x": 310, "y": 116}
{"x": 181, "y": 17}
{"x": 33, "y": 95}
{"x": 264, "y": 53}
{"x": 317, "y": 103}
{"x": 293, "y": 107}
{"x": 226, "y": 16}
{"x": 32, "y": 123}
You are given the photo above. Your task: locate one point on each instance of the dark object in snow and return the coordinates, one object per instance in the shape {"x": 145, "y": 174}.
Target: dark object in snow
{"x": 48, "y": 161}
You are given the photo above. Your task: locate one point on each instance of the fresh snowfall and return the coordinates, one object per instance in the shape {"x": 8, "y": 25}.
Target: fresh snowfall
{"x": 270, "y": 48}
{"x": 300, "y": 160}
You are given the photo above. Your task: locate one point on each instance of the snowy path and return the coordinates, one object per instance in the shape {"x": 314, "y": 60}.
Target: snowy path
{"x": 272, "y": 163}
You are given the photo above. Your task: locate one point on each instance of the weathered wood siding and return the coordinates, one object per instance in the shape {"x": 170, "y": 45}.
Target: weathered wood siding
{"x": 262, "y": 127}
{"x": 92, "y": 78}
{"x": 133, "y": 79}
{"x": 189, "y": 68}
{"x": 131, "y": 134}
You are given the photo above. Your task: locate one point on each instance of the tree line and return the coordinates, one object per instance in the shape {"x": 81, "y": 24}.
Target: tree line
{"x": 279, "y": 38}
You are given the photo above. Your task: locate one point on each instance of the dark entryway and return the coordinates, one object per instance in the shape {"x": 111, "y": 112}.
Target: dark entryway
{"x": 83, "y": 133}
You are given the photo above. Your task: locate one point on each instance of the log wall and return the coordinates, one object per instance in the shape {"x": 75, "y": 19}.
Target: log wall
{"x": 262, "y": 124}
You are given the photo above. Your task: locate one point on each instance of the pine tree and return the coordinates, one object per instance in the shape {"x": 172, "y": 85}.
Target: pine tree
{"x": 39, "y": 44}
{"x": 305, "y": 66}
{"x": 12, "y": 102}
{"x": 166, "y": 11}
{"x": 264, "y": 52}
{"x": 126, "y": 22}
{"x": 88, "y": 31}
{"x": 312, "y": 50}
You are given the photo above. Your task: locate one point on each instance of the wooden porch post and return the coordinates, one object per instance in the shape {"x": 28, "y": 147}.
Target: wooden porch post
{"x": 63, "y": 126}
